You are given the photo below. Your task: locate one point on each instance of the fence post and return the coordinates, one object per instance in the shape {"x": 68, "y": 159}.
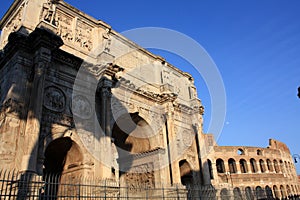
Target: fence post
{"x": 79, "y": 191}
{"x": 126, "y": 188}
{"x": 178, "y": 197}
{"x": 105, "y": 189}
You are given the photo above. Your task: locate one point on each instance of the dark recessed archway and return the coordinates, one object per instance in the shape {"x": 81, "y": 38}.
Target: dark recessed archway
{"x": 131, "y": 133}
{"x": 55, "y": 155}
{"x": 61, "y": 154}
{"x": 186, "y": 173}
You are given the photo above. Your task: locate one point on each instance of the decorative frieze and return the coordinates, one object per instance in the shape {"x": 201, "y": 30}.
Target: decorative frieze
{"x": 15, "y": 23}
{"x": 83, "y": 35}
{"x": 65, "y": 26}
{"x": 141, "y": 176}
{"x": 73, "y": 31}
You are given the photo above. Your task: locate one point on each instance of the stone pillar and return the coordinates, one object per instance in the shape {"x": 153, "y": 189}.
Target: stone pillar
{"x": 214, "y": 170}
{"x": 104, "y": 90}
{"x": 238, "y": 166}
{"x": 206, "y": 176}
{"x": 15, "y": 75}
{"x": 249, "y": 167}
{"x": 176, "y": 179}
{"x": 43, "y": 43}
{"x": 226, "y": 166}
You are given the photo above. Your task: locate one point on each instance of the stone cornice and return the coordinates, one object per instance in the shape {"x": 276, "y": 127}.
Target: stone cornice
{"x": 67, "y": 59}
{"x": 151, "y": 152}
{"x": 159, "y": 98}
{"x": 188, "y": 109}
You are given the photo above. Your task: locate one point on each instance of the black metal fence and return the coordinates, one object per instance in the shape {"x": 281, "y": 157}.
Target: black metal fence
{"x": 24, "y": 186}
{"x": 21, "y": 186}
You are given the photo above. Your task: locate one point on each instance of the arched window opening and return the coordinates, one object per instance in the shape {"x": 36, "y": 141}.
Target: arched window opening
{"x": 225, "y": 194}
{"x": 243, "y": 166}
{"x": 277, "y": 170}
{"x": 276, "y": 192}
{"x": 240, "y": 152}
{"x": 288, "y": 190}
{"x": 248, "y": 193}
{"x": 293, "y": 189}
{"x": 281, "y": 166}
{"x": 262, "y": 166}
{"x": 259, "y": 152}
{"x": 269, "y": 192}
{"x": 220, "y": 166}
{"x": 253, "y": 165}
{"x": 211, "y": 174}
{"x": 282, "y": 192}
{"x": 237, "y": 194}
{"x": 292, "y": 169}
{"x": 232, "y": 166}
{"x": 269, "y": 165}
{"x": 286, "y": 167}
{"x": 113, "y": 172}
{"x": 260, "y": 194}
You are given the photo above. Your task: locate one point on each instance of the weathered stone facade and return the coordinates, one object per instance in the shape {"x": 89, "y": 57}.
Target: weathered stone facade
{"x": 78, "y": 98}
{"x": 68, "y": 84}
{"x": 254, "y": 170}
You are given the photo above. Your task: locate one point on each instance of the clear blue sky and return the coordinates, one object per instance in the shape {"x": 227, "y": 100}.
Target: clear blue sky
{"x": 254, "y": 43}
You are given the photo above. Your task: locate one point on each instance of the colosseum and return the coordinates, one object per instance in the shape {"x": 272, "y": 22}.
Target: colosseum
{"x": 87, "y": 113}
{"x": 253, "y": 171}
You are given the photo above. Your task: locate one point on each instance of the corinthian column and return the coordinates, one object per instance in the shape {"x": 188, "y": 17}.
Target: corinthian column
{"x": 104, "y": 89}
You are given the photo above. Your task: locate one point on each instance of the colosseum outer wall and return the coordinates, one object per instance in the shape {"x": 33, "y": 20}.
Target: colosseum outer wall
{"x": 254, "y": 170}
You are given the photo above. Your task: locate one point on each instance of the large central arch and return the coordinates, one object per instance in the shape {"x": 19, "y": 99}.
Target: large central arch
{"x": 132, "y": 134}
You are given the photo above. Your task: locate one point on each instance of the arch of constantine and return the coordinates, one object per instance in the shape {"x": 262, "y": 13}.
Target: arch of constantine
{"x": 79, "y": 99}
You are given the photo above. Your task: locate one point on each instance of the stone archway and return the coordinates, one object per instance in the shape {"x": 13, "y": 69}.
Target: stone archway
{"x": 132, "y": 136}
{"x": 132, "y": 133}
{"x": 61, "y": 154}
{"x": 186, "y": 173}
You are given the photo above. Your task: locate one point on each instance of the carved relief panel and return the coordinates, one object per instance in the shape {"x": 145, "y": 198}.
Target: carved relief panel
{"x": 48, "y": 13}
{"x": 143, "y": 177}
{"x": 54, "y": 99}
{"x": 71, "y": 30}
{"x": 65, "y": 26}
{"x": 83, "y": 35}
{"x": 14, "y": 23}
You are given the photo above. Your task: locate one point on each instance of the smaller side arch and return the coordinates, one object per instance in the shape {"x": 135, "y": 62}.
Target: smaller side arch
{"x": 186, "y": 173}
{"x": 220, "y": 166}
